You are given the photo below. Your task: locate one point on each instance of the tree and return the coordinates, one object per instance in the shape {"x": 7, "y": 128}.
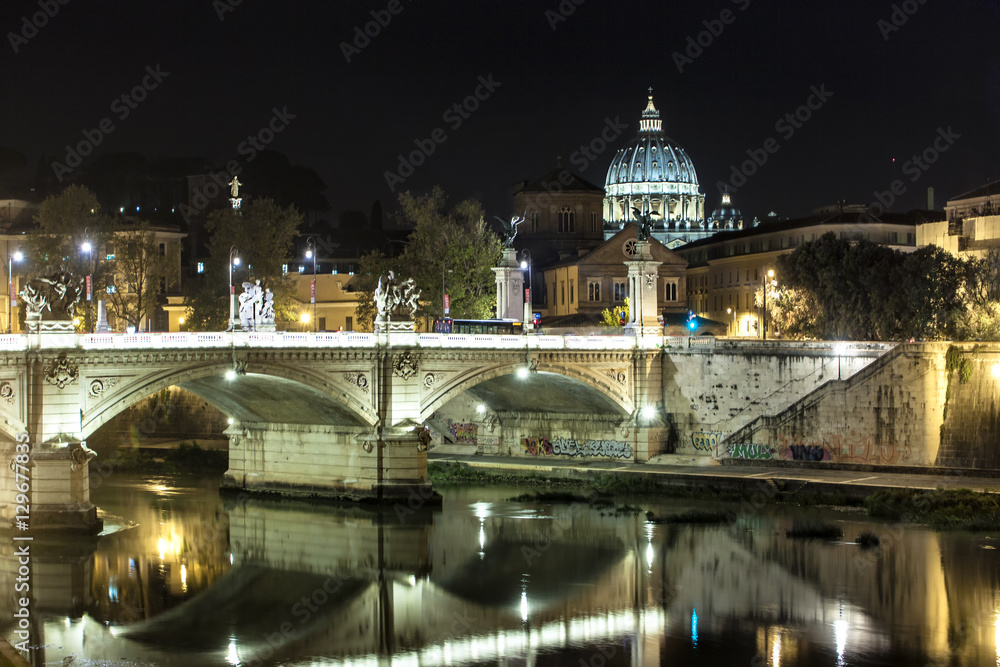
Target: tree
{"x": 612, "y": 317}
{"x": 139, "y": 273}
{"x": 453, "y": 246}
{"x": 263, "y": 234}
{"x": 845, "y": 290}
{"x": 64, "y": 222}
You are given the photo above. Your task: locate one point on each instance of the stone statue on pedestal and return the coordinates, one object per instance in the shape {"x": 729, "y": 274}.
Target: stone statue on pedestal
{"x": 52, "y": 298}
{"x": 644, "y": 223}
{"x": 395, "y": 299}
{"x": 509, "y": 230}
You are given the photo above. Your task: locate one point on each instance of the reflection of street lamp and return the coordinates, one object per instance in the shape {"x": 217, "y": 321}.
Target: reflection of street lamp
{"x": 526, "y": 264}
{"x": 11, "y": 297}
{"x": 87, "y": 248}
{"x": 767, "y": 283}
{"x": 311, "y": 254}
{"x": 234, "y": 260}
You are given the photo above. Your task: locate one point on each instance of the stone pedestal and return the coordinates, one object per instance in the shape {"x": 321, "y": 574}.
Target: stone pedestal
{"x": 60, "y": 490}
{"x": 510, "y": 287}
{"x": 356, "y": 463}
{"x": 102, "y": 317}
{"x": 643, "y": 279}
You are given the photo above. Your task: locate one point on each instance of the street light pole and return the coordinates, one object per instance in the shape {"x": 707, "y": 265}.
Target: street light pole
{"x": 234, "y": 260}
{"x": 733, "y": 330}
{"x": 88, "y": 248}
{"x": 11, "y": 298}
{"x": 311, "y": 253}
{"x": 767, "y": 283}
{"x": 526, "y": 264}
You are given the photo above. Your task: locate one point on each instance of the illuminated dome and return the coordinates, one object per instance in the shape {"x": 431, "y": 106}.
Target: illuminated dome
{"x": 653, "y": 173}
{"x": 726, "y": 216}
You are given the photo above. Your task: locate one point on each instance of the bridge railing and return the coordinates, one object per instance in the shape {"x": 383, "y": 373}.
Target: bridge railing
{"x": 290, "y": 339}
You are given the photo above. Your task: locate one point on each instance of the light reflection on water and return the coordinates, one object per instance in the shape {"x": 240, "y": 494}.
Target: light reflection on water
{"x": 200, "y": 580}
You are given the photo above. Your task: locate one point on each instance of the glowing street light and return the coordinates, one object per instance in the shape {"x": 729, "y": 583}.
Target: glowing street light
{"x": 234, "y": 260}
{"x": 526, "y": 264}
{"x": 311, "y": 254}
{"x": 88, "y": 248}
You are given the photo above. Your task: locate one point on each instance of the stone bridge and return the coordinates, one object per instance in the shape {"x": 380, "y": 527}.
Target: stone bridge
{"x": 343, "y": 414}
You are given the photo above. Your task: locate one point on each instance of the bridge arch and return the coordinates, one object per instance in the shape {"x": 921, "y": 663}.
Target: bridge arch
{"x": 277, "y": 393}
{"x": 603, "y": 394}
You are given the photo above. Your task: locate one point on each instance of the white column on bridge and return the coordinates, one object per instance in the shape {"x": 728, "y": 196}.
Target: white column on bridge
{"x": 510, "y": 287}
{"x": 643, "y": 278}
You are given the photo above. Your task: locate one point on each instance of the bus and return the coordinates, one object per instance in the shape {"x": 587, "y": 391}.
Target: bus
{"x": 449, "y": 325}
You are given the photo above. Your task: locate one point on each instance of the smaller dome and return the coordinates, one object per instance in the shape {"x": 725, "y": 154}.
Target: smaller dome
{"x": 727, "y": 215}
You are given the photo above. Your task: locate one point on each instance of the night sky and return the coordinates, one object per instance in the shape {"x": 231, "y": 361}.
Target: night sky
{"x": 562, "y": 73}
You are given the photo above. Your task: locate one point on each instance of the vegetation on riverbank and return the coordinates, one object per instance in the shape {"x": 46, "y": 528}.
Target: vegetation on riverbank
{"x": 958, "y": 509}
{"x": 186, "y": 457}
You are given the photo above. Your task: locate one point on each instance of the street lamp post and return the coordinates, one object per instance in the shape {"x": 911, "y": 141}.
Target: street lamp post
{"x": 311, "y": 254}
{"x": 526, "y": 264}
{"x": 234, "y": 260}
{"x": 734, "y": 329}
{"x": 11, "y": 297}
{"x": 89, "y": 249}
{"x": 445, "y": 306}
{"x": 767, "y": 283}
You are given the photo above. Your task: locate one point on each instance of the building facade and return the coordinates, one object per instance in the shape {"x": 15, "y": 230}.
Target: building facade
{"x": 972, "y": 227}
{"x": 598, "y": 280}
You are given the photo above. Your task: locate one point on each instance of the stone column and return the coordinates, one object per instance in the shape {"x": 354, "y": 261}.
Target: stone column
{"x": 59, "y": 469}
{"x": 643, "y": 275}
{"x": 510, "y": 287}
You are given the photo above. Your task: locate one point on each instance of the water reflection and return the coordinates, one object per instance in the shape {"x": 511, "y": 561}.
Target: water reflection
{"x": 193, "y": 579}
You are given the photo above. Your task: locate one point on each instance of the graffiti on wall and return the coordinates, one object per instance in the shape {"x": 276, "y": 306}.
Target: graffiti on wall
{"x": 537, "y": 446}
{"x": 615, "y": 449}
{"x": 843, "y": 448}
{"x": 466, "y": 432}
{"x": 808, "y": 453}
{"x": 750, "y": 451}
{"x": 707, "y": 442}
{"x": 541, "y": 446}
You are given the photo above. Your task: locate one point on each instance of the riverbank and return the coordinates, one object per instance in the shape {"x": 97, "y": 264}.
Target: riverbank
{"x": 945, "y": 501}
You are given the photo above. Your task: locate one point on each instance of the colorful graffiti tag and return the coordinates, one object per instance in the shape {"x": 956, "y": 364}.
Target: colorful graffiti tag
{"x": 750, "y": 451}
{"x": 706, "y": 442}
{"x": 466, "y": 432}
{"x": 840, "y": 448}
{"x": 537, "y": 446}
{"x": 808, "y": 453}
{"x": 541, "y": 446}
{"x": 615, "y": 449}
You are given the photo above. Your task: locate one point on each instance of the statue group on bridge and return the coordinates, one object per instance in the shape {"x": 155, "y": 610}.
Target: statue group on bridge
{"x": 395, "y": 298}
{"x": 53, "y": 295}
{"x": 256, "y": 307}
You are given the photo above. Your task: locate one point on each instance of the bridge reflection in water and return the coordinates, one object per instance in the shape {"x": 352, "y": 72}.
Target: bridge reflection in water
{"x": 201, "y": 580}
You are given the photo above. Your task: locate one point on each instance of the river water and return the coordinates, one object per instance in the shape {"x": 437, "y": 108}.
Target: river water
{"x": 184, "y": 576}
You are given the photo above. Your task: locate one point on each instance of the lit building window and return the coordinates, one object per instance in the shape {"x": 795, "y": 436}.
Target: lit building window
{"x": 302, "y": 268}
{"x": 111, "y": 289}
{"x": 201, "y": 267}
{"x": 594, "y": 290}
{"x": 284, "y": 269}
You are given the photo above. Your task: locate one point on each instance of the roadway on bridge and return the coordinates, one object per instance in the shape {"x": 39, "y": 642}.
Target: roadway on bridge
{"x": 852, "y": 483}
